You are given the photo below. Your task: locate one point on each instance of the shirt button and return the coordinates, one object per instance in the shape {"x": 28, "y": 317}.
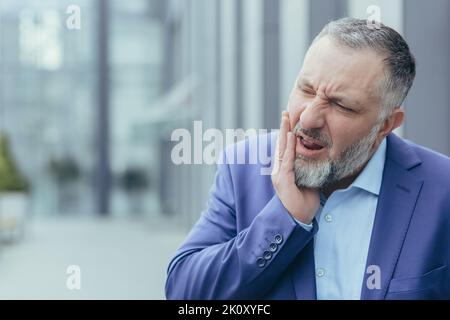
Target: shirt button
{"x": 328, "y": 217}
{"x": 320, "y": 272}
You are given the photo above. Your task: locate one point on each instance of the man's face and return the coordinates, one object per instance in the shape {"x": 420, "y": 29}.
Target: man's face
{"x": 334, "y": 111}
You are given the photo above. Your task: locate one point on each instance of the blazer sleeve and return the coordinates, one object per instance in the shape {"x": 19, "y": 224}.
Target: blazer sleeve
{"x": 218, "y": 262}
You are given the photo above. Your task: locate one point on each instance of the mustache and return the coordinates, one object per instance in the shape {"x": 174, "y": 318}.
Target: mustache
{"x": 314, "y": 134}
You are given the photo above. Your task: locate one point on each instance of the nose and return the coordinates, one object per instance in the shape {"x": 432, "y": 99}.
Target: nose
{"x": 312, "y": 116}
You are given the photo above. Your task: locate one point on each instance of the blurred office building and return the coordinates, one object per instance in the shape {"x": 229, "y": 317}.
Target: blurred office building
{"x": 92, "y": 90}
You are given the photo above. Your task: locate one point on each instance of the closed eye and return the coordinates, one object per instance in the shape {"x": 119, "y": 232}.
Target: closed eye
{"x": 343, "y": 107}
{"x": 307, "y": 91}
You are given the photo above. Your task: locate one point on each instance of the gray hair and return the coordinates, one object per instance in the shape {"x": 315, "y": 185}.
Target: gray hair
{"x": 400, "y": 63}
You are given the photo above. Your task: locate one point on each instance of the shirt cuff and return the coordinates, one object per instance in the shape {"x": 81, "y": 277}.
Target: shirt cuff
{"x": 307, "y": 227}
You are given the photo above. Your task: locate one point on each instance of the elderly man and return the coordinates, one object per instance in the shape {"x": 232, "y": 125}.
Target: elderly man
{"x": 351, "y": 211}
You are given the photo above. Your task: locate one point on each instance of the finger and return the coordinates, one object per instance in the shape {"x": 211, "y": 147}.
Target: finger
{"x": 287, "y": 115}
{"x": 281, "y": 142}
{"x": 284, "y": 129}
{"x": 289, "y": 154}
{"x": 277, "y": 163}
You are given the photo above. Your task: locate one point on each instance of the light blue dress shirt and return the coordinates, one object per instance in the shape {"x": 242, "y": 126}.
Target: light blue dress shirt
{"x": 345, "y": 222}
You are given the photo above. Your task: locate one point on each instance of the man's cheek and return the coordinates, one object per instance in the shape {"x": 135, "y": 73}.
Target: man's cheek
{"x": 333, "y": 151}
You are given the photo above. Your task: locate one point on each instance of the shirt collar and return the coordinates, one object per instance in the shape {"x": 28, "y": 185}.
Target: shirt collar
{"x": 371, "y": 176}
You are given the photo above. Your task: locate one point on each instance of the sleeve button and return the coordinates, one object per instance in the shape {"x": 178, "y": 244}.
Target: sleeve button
{"x": 261, "y": 262}
{"x": 273, "y": 247}
{"x": 278, "y": 239}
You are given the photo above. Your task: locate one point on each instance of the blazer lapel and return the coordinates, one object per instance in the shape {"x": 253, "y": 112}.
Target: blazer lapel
{"x": 398, "y": 195}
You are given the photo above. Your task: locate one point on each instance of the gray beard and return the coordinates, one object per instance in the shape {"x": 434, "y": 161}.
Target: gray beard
{"x": 313, "y": 174}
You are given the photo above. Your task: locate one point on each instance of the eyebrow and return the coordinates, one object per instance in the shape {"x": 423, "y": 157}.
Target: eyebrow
{"x": 303, "y": 81}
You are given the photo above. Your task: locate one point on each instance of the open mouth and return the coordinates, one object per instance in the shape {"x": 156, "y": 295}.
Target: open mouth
{"x": 310, "y": 144}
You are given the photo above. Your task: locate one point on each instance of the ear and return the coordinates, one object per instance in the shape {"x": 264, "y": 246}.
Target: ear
{"x": 392, "y": 122}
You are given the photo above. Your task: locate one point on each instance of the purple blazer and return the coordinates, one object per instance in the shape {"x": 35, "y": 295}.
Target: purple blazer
{"x": 247, "y": 246}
